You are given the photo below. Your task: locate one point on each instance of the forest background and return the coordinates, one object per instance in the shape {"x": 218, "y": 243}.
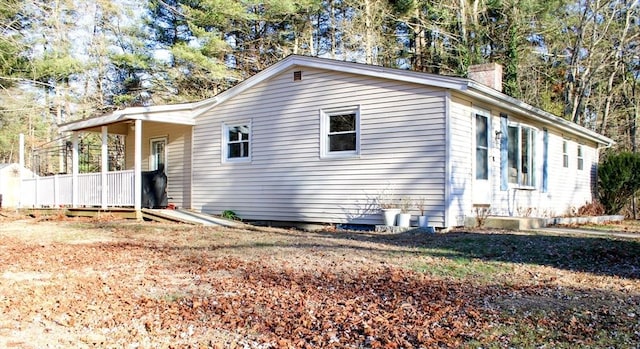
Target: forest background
{"x": 62, "y": 60}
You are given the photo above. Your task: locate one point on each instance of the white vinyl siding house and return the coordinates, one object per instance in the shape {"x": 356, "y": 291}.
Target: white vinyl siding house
{"x": 566, "y": 188}
{"x": 318, "y": 141}
{"x": 295, "y": 175}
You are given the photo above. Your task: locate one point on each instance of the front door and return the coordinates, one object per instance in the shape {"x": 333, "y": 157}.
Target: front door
{"x": 482, "y": 177}
{"x": 158, "y": 154}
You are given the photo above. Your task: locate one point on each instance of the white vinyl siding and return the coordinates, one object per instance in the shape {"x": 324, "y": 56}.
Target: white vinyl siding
{"x": 567, "y": 188}
{"x": 462, "y": 151}
{"x": 401, "y": 145}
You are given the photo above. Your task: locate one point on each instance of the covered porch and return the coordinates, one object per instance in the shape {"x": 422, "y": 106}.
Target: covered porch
{"x": 156, "y": 138}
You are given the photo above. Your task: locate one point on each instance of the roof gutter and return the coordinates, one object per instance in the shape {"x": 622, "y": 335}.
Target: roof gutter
{"x": 490, "y": 95}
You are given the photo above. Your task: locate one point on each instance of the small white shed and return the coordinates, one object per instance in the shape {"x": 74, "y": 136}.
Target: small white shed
{"x": 10, "y": 192}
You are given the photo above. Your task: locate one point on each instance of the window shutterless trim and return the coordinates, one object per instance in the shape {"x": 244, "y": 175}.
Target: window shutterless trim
{"x": 325, "y": 115}
{"x": 565, "y": 153}
{"x": 531, "y": 165}
{"x": 486, "y": 148}
{"x": 152, "y": 163}
{"x": 225, "y": 142}
{"x": 580, "y": 157}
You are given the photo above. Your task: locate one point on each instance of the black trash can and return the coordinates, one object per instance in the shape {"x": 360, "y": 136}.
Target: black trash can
{"x": 154, "y": 189}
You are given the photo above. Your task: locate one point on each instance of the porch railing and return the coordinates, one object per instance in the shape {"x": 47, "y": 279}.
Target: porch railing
{"x": 57, "y": 190}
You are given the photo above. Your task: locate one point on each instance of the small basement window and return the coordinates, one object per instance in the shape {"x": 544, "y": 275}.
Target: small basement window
{"x": 340, "y": 132}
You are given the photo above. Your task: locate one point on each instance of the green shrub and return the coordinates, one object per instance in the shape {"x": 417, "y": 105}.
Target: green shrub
{"x": 618, "y": 180}
{"x": 228, "y": 214}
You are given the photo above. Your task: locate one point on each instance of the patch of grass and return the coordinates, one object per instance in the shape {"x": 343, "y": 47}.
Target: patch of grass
{"x": 580, "y": 327}
{"x": 459, "y": 268}
{"x": 579, "y": 253}
{"x": 627, "y": 226}
{"x": 174, "y": 297}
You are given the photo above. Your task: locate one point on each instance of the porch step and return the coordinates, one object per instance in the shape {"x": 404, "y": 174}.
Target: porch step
{"x": 189, "y": 217}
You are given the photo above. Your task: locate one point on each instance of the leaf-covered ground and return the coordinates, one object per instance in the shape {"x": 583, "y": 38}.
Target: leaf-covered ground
{"x": 144, "y": 285}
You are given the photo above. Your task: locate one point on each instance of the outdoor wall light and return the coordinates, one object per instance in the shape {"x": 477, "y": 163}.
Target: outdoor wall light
{"x": 498, "y": 136}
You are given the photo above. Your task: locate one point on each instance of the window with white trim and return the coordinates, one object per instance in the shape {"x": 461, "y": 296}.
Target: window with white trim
{"x": 565, "y": 154}
{"x": 482, "y": 146}
{"x": 521, "y": 155}
{"x": 237, "y": 142}
{"x": 340, "y": 132}
{"x": 158, "y": 157}
{"x": 580, "y": 158}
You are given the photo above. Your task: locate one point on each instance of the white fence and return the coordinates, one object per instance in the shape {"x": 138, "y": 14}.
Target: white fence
{"x": 57, "y": 191}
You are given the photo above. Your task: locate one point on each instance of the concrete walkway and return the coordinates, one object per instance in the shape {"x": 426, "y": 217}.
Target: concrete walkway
{"x": 579, "y": 231}
{"x": 190, "y": 217}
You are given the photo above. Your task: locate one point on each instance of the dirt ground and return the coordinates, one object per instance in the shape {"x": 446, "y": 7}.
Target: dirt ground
{"x": 87, "y": 284}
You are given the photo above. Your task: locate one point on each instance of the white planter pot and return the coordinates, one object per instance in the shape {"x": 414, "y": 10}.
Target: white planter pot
{"x": 404, "y": 219}
{"x": 389, "y": 215}
{"x": 423, "y": 221}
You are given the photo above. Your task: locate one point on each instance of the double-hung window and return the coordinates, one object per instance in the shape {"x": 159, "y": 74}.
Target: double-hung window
{"x": 565, "y": 154}
{"x": 580, "y": 158}
{"x": 521, "y": 155}
{"x": 340, "y": 132}
{"x": 237, "y": 142}
{"x": 482, "y": 146}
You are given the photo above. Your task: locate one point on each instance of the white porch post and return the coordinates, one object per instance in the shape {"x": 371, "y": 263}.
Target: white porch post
{"x": 104, "y": 168}
{"x": 21, "y": 159}
{"x": 138, "y": 168}
{"x": 75, "y": 169}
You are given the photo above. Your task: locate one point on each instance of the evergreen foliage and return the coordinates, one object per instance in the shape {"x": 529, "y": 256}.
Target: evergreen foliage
{"x": 573, "y": 58}
{"x": 619, "y": 180}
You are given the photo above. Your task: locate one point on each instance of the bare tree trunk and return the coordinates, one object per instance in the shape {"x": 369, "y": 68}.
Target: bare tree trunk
{"x": 332, "y": 30}
{"x": 368, "y": 34}
{"x": 419, "y": 43}
{"x": 616, "y": 63}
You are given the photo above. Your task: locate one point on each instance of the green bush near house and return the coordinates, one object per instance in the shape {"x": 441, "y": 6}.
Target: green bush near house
{"x": 618, "y": 180}
{"x": 228, "y": 214}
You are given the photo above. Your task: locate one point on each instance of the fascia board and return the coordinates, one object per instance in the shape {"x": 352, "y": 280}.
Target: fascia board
{"x": 178, "y": 117}
{"x": 93, "y": 122}
{"x": 495, "y": 97}
{"x": 175, "y": 113}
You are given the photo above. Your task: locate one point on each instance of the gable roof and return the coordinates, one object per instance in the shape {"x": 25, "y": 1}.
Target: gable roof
{"x": 187, "y": 113}
{"x": 463, "y": 85}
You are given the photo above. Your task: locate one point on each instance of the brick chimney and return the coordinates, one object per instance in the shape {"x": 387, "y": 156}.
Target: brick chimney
{"x": 489, "y": 74}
